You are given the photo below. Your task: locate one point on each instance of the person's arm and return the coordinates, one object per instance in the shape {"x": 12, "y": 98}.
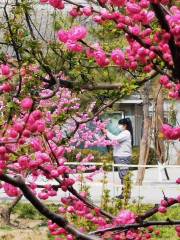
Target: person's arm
{"x": 121, "y": 137}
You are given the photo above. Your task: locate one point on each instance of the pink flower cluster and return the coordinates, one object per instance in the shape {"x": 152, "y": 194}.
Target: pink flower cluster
{"x": 137, "y": 15}
{"x": 26, "y": 103}
{"x": 178, "y": 181}
{"x": 10, "y": 190}
{"x": 125, "y": 217}
{"x": 118, "y": 3}
{"x": 3, "y": 158}
{"x": 178, "y": 230}
{"x": 59, "y": 4}
{"x": 73, "y": 206}
{"x": 91, "y": 137}
{"x": 85, "y": 11}
{"x": 29, "y": 130}
{"x": 71, "y": 38}
{"x": 167, "y": 203}
{"x": 98, "y": 54}
{"x": 170, "y": 133}
{"x": 118, "y": 57}
{"x": 5, "y": 70}
{"x": 5, "y": 73}
{"x": 174, "y": 22}
{"x": 174, "y": 88}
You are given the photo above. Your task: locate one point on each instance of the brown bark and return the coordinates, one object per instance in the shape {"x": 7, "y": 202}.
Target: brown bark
{"x": 159, "y": 117}
{"x": 144, "y": 144}
{"x": 178, "y": 158}
{"x": 178, "y": 155}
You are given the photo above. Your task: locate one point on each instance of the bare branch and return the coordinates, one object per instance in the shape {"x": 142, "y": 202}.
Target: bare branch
{"x": 137, "y": 225}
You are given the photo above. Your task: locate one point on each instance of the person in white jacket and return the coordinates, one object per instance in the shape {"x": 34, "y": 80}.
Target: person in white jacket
{"x": 122, "y": 150}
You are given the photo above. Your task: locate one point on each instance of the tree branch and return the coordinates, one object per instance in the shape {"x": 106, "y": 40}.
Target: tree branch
{"x": 19, "y": 182}
{"x": 152, "y": 211}
{"x": 175, "y": 50}
{"x": 136, "y": 225}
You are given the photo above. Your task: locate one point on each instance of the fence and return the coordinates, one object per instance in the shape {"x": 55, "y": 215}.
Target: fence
{"x": 160, "y": 167}
{"x": 152, "y": 189}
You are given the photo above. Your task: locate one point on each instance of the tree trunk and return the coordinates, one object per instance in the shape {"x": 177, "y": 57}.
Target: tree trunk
{"x": 159, "y": 117}
{"x": 144, "y": 144}
{"x": 6, "y": 212}
{"x": 178, "y": 158}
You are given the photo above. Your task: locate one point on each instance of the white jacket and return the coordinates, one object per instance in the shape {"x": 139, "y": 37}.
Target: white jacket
{"x": 123, "y": 147}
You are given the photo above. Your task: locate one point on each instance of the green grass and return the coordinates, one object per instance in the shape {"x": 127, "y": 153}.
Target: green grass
{"x": 166, "y": 232}
{"x": 6, "y": 228}
{"x": 27, "y": 211}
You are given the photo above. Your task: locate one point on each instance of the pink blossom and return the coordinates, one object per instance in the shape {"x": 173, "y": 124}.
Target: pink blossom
{"x": 27, "y": 103}
{"x": 164, "y": 203}
{"x": 74, "y": 46}
{"x": 135, "y": 30}
{"x": 174, "y": 94}
{"x": 87, "y": 11}
{"x": 41, "y": 126}
{"x": 162, "y": 209}
{"x": 144, "y": 3}
{"x": 178, "y": 181}
{"x": 10, "y": 190}
{"x": 74, "y": 12}
{"x": 77, "y": 33}
{"x": 70, "y": 237}
{"x": 44, "y": 1}
{"x": 125, "y": 217}
{"x": 133, "y": 8}
{"x": 148, "y": 17}
{"x": 23, "y": 162}
{"x": 54, "y": 173}
{"x": 101, "y": 58}
{"x": 63, "y": 36}
{"x": 43, "y": 195}
{"x": 131, "y": 235}
{"x": 18, "y": 126}
{"x": 97, "y": 19}
{"x": 42, "y": 157}
{"x": 5, "y": 69}
{"x": 26, "y": 133}
{"x": 2, "y": 150}
{"x": 103, "y": 2}
{"x": 118, "y": 3}
{"x": 36, "y": 114}
{"x": 166, "y": 130}
{"x": 61, "y": 169}
{"x": 36, "y": 144}
{"x": 6, "y": 87}
{"x": 13, "y": 133}
{"x": 118, "y": 57}
{"x": 105, "y": 14}
{"x": 57, "y": 4}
